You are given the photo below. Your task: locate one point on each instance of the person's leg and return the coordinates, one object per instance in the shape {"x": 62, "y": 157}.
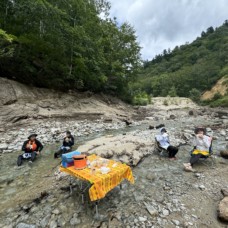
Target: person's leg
{"x": 20, "y": 160}
{"x": 172, "y": 151}
{"x": 58, "y": 153}
{"x": 194, "y": 158}
{"x": 33, "y": 156}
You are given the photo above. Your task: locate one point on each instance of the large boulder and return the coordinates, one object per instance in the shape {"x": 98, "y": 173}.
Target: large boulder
{"x": 224, "y": 153}
{"x": 223, "y": 209}
{"x": 129, "y": 148}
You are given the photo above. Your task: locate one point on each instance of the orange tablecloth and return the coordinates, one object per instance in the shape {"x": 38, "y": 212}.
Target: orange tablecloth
{"x": 102, "y": 183}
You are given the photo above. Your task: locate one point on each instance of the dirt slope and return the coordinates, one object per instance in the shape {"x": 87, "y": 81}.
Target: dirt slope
{"x": 220, "y": 87}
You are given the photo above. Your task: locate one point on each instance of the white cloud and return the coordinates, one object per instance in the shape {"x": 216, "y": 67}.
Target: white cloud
{"x": 163, "y": 24}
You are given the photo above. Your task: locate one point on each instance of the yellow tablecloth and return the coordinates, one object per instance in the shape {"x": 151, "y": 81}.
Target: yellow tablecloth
{"x": 102, "y": 183}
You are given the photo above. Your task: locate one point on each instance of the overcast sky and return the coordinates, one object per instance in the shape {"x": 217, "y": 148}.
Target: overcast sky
{"x": 163, "y": 24}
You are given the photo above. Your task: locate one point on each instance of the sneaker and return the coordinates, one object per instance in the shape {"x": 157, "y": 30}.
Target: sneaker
{"x": 30, "y": 163}
{"x": 186, "y": 164}
{"x": 189, "y": 169}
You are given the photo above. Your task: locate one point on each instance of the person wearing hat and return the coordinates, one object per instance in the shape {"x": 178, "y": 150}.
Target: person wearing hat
{"x": 31, "y": 147}
{"x": 68, "y": 142}
{"x": 163, "y": 140}
{"x": 202, "y": 148}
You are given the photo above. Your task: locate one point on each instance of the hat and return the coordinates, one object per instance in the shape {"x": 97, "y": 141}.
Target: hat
{"x": 32, "y": 135}
{"x": 200, "y": 129}
{"x": 68, "y": 132}
{"x": 163, "y": 130}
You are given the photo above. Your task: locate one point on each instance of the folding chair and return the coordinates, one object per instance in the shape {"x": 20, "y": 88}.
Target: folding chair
{"x": 204, "y": 158}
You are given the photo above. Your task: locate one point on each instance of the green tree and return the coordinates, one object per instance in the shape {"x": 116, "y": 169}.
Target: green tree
{"x": 195, "y": 95}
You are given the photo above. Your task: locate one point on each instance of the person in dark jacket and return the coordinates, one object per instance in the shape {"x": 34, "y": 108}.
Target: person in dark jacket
{"x": 68, "y": 142}
{"x": 31, "y": 147}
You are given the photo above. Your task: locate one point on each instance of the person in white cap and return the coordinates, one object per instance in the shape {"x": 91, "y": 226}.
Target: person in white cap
{"x": 163, "y": 140}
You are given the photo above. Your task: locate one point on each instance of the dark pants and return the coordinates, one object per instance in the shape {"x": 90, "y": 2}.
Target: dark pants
{"x": 195, "y": 158}
{"x": 172, "y": 151}
{"x": 20, "y": 158}
{"x": 59, "y": 153}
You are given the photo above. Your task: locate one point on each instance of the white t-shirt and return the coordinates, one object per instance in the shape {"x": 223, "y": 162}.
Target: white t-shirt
{"x": 202, "y": 144}
{"x": 163, "y": 140}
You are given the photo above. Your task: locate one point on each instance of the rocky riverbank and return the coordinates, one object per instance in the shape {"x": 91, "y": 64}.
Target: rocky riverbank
{"x": 164, "y": 195}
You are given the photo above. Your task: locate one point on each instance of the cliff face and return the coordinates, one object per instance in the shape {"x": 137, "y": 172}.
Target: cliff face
{"x": 21, "y": 103}
{"x": 220, "y": 87}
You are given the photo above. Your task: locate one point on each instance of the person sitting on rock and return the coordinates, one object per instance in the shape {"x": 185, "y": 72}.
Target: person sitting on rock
{"x": 68, "y": 142}
{"x": 163, "y": 140}
{"x": 202, "y": 144}
{"x": 31, "y": 147}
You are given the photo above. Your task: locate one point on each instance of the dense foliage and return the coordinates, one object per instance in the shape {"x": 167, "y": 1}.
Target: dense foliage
{"x": 188, "y": 70}
{"x": 67, "y": 45}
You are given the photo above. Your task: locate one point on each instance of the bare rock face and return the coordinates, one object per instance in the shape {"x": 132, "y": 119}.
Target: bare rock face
{"x": 23, "y": 104}
{"x": 223, "y": 209}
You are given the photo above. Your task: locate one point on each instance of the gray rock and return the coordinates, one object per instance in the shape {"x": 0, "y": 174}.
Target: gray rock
{"x": 165, "y": 212}
{"x": 24, "y": 225}
{"x": 56, "y": 211}
{"x": 224, "y": 191}
{"x": 224, "y": 153}
{"x": 150, "y": 176}
{"x": 142, "y": 219}
{"x": 75, "y": 220}
{"x": 53, "y": 224}
{"x": 176, "y": 222}
{"x": 223, "y": 209}
{"x": 3, "y": 146}
{"x": 202, "y": 187}
{"x": 44, "y": 222}
{"x": 223, "y": 132}
{"x": 151, "y": 209}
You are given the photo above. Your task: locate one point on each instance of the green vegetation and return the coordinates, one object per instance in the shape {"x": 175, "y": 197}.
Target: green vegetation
{"x": 141, "y": 98}
{"x": 188, "y": 70}
{"x": 67, "y": 45}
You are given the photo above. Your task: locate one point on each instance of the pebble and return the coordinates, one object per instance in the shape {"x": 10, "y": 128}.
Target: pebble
{"x": 202, "y": 187}
{"x": 142, "y": 219}
{"x": 165, "y": 212}
{"x": 56, "y": 212}
{"x": 176, "y": 222}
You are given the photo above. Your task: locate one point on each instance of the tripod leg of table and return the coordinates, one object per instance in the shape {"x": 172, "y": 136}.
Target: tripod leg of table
{"x": 71, "y": 189}
{"x": 96, "y": 207}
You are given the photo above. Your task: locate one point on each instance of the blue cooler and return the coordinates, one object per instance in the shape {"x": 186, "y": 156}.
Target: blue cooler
{"x": 67, "y": 159}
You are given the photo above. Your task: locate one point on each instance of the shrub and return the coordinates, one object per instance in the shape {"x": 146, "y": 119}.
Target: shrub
{"x": 165, "y": 102}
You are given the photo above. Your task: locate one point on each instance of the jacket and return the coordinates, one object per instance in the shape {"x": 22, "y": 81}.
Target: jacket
{"x": 36, "y": 146}
{"x": 70, "y": 143}
{"x": 202, "y": 144}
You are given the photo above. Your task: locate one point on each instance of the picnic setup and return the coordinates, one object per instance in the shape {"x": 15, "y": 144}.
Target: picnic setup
{"x": 100, "y": 175}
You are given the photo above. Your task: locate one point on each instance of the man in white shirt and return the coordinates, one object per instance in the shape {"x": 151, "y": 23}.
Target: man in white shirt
{"x": 163, "y": 140}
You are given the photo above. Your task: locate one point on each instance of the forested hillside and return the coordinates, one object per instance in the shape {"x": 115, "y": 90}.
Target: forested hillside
{"x": 67, "y": 45}
{"x": 189, "y": 69}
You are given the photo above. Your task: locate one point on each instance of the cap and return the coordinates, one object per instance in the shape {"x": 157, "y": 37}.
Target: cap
{"x": 32, "y": 135}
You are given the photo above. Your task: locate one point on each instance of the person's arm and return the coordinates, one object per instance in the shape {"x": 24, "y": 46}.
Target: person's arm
{"x": 195, "y": 141}
{"x": 24, "y": 146}
{"x": 159, "y": 138}
{"x": 72, "y": 141}
{"x": 206, "y": 141}
{"x": 39, "y": 146}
